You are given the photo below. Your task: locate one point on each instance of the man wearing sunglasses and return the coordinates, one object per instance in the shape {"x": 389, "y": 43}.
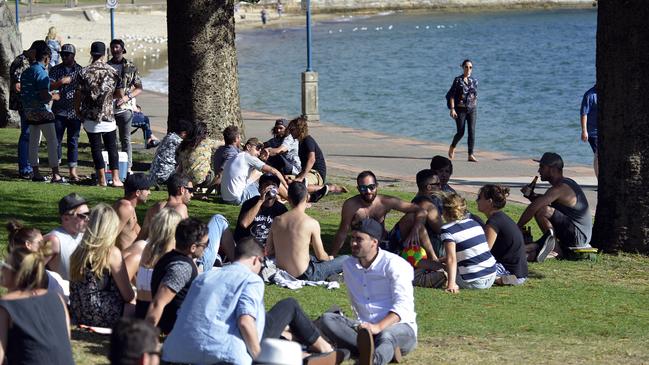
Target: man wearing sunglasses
{"x": 74, "y": 213}
{"x": 180, "y": 190}
{"x": 64, "y": 78}
{"x": 370, "y": 204}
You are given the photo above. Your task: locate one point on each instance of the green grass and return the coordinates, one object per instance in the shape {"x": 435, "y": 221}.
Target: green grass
{"x": 568, "y": 312}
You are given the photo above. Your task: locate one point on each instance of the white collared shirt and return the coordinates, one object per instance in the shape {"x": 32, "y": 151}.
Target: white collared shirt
{"x": 384, "y": 287}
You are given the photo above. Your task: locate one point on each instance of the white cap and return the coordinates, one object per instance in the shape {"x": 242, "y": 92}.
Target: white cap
{"x": 279, "y": 352}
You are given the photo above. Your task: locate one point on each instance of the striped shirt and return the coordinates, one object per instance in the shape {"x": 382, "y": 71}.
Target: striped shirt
{"x": 474, "y": 260}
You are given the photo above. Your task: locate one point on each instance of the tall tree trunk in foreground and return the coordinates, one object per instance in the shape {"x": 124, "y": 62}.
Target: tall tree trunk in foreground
{"x": 9, "y": 49}
{"x": 622, "y": 218}
{"x": 203, "y": 80}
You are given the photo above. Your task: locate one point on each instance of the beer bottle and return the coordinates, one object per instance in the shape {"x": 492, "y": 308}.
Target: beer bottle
{"x": 529, "y": 189}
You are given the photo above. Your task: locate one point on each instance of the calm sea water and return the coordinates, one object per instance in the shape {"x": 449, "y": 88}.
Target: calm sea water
{"x": 389, "y": 73}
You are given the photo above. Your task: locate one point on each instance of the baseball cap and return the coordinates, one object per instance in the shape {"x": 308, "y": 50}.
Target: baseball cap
{"x": 369, "y": 226}
{"x": 551, "y": 159}
{"x": 98, "y": 49}
{"x": 69, "y": 202}
{"x": 282, "y": 122}
{"x": 68, "y": 48}
{"x": 120, "y": 42}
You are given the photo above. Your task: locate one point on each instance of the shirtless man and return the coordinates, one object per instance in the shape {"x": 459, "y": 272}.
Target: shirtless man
{"x": 370, "y": 204}
{"x": 561, "y": 212}
{"x": 180, "y": 191}
{"x": 136, "y": 190}
{"x": 290, "y": 237}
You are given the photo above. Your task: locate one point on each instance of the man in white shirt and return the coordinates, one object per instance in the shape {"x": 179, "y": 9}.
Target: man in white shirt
{"x": 379, "y": 285}
{"x": 238, "y": 184}
{"x": 74, "y": 213}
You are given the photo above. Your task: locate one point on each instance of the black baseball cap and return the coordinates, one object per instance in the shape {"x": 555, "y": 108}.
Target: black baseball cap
{"x": 120, "y": 42}
{"x": 369, "y": 226}
{"x": 69, "y": 202}
{"x": 98, "y": 48}
{"x": 68, "y": 48}
{"x": 282, "y": 122}
{"x": 551, "y": 159}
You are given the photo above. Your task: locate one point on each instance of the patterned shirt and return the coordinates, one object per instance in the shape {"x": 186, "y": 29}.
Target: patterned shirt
{"x": 65, "y": 106}
{"x": 97, "y": 84}
{"x": 18, "y": 66}
{"x": 130, "y": 78}
{"x": 164, "y": 161}
{"x": 197, "y": 164}
{"x": 465, "y": 93}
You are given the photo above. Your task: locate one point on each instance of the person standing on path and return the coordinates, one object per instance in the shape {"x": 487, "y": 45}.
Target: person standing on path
{"x": 125, "y": 105}
{"x": 589, "y": 122}
{"x": 462, "y": 100}
{"x": 18, "y": 66}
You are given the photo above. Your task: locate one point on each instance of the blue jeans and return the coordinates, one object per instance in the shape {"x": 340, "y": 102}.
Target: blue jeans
{"x": 342, "y": 331}
{"x": 73, "y": 126}
{"x": 142, "y": 121}
{"x": 215, "y": 228}
{"x": 24, "y": 167}
{"x": 320, "y": 270}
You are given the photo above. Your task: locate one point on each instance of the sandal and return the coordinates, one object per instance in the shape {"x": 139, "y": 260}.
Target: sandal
{"x": 60, "y": 180}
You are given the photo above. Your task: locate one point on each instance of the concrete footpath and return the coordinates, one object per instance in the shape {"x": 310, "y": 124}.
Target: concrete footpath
{"x": 396, "y": 160}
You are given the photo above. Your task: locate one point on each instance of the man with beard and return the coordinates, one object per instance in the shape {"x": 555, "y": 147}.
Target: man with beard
{"x": 180, "y": 192}
{"x": 561, "y": 212}
{"x": 370, "y": 204}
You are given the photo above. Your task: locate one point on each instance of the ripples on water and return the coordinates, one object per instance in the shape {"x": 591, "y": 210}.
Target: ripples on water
{"x": 390, "y": 74}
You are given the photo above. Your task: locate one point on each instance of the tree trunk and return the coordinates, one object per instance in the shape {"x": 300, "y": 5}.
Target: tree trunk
{"x": 203, "y": 79}
{"x": 10, "y": 47}
{"x": 622, "y": 218}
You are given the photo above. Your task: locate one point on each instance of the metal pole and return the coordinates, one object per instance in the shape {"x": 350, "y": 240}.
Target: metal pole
{"x": 17, "y": 14}
{"x": 308, "y": 36}
{"x": 112, "y": 24}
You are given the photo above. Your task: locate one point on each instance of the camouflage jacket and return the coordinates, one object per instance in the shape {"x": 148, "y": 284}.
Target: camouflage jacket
{"x": 130, "y": 78}
{"x": 97, "y": 84}
{"x": 18, "y": 66}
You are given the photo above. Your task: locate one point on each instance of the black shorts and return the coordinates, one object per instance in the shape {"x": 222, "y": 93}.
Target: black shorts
{"x": 565, "y": 231}
{"x": 592, "y": 141}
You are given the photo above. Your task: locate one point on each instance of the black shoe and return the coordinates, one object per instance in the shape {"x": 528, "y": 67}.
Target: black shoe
{"x": 319, "y": 194}
{"x": 365, "y": 345}
{"x": 546, "y": 245}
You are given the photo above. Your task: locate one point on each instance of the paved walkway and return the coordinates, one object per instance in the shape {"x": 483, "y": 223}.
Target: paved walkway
{"x": 396, "y": 159}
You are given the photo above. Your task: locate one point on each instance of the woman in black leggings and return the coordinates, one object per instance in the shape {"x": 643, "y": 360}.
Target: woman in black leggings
{"x": 462, "y": 101}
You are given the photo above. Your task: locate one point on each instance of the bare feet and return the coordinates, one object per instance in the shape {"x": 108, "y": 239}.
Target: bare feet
{"x": 451, "y": 152}
{"x": 472, "y": 158}
{"x": 335, "y": 189}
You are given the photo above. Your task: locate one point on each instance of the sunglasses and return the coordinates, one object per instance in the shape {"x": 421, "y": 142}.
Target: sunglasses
{"x": 203, "y": 244}
{"x": 65, "y": 54}
{"x": 366, "y": 188}
{"x": 84, "y": 216}
{"x": 430, "y": 186}
{"x": 191, "y": 189}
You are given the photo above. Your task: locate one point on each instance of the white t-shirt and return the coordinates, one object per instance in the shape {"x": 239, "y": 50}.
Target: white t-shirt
{"x": 235, "y": 175}
{"x": 67, "y": 245}
{"x": 92, "y": 126}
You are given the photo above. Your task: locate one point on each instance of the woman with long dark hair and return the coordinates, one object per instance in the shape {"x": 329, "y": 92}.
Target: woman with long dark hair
{"x": 462, "y": 101}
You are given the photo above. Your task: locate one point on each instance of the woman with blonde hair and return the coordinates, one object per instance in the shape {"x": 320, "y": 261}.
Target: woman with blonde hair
{"x": 144, "y": 254}
{"x": 34, "y": 325}
{"x": 99, "y": 285}
{"x": 469, "y": 262}
{"x": 54, "y": 42}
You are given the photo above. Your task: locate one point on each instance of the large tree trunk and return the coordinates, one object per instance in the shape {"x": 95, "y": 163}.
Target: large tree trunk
{"x": 10, "y": 47}
{"x": 203, "y": 80}
{"x": 622, "y": 218}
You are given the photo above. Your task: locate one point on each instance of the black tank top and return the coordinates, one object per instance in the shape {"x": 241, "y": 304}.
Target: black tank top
{"x": 38, "y": 332}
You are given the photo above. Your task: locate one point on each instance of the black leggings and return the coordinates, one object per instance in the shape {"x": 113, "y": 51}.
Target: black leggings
{"x": 110, "y": 143}
{"x": 288, "y": 312}
{"x": 463, "y": 116}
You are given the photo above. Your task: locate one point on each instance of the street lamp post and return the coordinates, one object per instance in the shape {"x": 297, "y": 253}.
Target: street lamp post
{"x": 309, "y": 77}
{"x": 17, "y": 14}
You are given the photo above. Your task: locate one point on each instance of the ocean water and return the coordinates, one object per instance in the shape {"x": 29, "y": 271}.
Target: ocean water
{"x": 390, "y": 72}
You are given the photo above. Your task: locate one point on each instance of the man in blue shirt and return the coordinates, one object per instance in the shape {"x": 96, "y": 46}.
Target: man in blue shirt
{"x": 35, "y": 97}
{"x": 589, "y": 122}
{"x": 222, "y": 319}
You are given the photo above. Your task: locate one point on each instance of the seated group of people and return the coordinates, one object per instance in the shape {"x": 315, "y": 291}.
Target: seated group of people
{"x": 217, "y": 315}
{"x": 291, "y": 155}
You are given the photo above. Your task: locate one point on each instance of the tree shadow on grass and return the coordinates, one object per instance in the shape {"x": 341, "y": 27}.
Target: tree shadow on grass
{"x": 535, "y": 275}
{"x": 93, "y": 343}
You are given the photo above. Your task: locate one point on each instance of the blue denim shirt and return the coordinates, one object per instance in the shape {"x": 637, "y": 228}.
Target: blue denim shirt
{"x": 206, "y": 330}
{"x": 32, "y": 81}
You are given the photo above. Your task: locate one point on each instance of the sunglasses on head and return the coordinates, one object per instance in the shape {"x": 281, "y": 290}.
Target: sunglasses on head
{"x": 365, "y": 188}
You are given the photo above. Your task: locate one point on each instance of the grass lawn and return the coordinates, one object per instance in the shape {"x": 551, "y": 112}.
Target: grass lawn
{"x": 568, "y": 312}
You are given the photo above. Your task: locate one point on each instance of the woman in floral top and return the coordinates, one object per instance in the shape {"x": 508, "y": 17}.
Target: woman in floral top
{"x": 195, "y": 157}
